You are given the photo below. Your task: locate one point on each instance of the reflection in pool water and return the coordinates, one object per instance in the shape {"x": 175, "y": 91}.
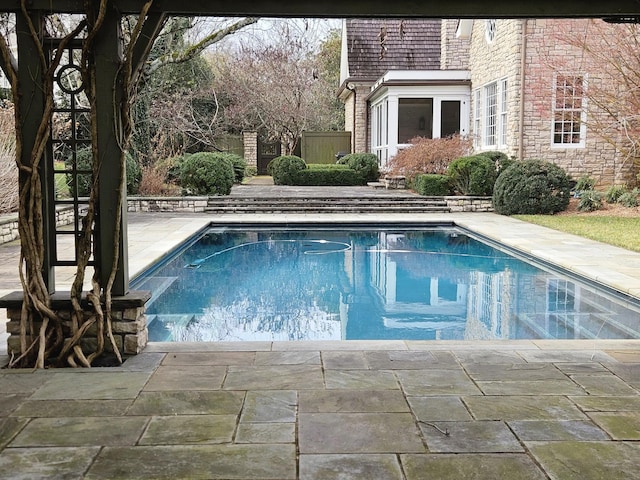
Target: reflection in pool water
{"x": 237, "y": 284}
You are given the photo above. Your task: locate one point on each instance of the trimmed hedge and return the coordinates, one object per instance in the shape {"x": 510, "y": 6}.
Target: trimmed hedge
{"x": 475, "y": 175}
{"x": 328, "y": 175}
{"x": 432, "y": 185}
{"x": 532, "y": 187}
{"x": 284, "y": 169}
{"x": 207, "y": 173}
{"x": 366, "y": 164}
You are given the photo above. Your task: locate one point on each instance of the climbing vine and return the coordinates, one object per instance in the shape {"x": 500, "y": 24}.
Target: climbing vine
{"x": 43, "y": 341}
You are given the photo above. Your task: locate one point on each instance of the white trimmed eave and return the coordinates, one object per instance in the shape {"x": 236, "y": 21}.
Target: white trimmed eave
{"x": 419, "y": 78}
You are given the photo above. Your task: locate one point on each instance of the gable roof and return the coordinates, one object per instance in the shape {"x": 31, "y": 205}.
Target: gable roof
{"x": 377, "y": 45}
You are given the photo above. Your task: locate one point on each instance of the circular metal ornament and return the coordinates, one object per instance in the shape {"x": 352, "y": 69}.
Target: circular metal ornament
{"x": 69, "y": 79}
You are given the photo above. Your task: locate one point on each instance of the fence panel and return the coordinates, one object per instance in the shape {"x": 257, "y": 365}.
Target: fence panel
{"x": 321, "y": 147}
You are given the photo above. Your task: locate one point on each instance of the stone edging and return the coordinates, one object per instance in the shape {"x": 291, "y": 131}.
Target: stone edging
{"x": 64, "y": 214}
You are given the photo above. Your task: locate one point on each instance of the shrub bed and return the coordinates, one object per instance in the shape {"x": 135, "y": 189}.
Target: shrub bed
{"x": 207, "y": 173}
{"x": 531, "y": 187}
{"x": 284, "y": 169}
{"x": 432, "y": 185}
{"x": 328, "y": 175}
{"x": 366, "y": 164}
{"x": 475, "y": 175}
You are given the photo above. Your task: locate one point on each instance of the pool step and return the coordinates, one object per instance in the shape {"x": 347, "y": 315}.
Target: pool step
{"x": 373, "y": 204}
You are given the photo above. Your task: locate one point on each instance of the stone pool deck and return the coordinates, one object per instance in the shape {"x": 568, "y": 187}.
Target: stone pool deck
{"x": 337, "y": 410}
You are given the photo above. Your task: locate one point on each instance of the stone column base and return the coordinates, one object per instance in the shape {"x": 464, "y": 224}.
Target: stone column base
{"x": 129, "y": 322}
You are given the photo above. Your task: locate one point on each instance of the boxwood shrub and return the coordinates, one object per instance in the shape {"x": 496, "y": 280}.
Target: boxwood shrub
{"x": 329, "y": 175}
{"x": 532, "y": 187}
{"x": 84, "y": 161}
{"x": 432, "y": 185}
{"x": 475, "y": 175}
{"x": 284, "y": 169}
{"x": 366, "y": 164}
{"x": 207, "y": 173}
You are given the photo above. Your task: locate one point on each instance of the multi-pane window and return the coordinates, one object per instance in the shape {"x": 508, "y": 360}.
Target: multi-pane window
{"x": 503, "y": 112}
{"x": 490, "y": 115}
{"x": 568, "y": 111}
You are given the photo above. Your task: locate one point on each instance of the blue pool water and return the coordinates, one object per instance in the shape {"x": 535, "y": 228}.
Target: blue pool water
{"x": 411, "y": 283}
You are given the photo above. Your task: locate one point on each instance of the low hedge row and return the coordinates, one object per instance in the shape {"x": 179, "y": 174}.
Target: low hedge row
{"x": 358, "y": 169}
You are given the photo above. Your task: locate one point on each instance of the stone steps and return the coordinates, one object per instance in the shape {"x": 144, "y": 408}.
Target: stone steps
{"x": 399, "y": 204}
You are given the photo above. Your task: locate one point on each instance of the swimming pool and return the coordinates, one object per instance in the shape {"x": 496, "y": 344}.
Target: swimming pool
{"x": 411, "y": 282}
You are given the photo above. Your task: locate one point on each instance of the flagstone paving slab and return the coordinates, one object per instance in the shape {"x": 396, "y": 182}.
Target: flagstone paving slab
{"x": 607, "y": 404}
{"x": 436, "y": 382}
{"x": 187, "y": 377}
{"x": 432, "y": 409}
{"x": 187, "y": 403}
{"x": 578, "y": 368}
{"x": 266, "y": 433}
{"x": 80, "y": 431}
{"x": 91, "y": 386}
{"x": 72, "y": 408}
{"x": 358, "y": 433}
{"x": 21, "y": 381}
{"x": 497, "y": 407}
{"x": 287, "y": 358}
{"x": 601, "y": 385}
{"x": 246, "y": 462}
{"x": 548, "y": 430}
{"x": 9, "y": 428}
{"x": 470, "y": 467}
{"x": 371, "y": 466}
{"x": 514, "y": 372}
{"x": 210, "y": 358}
{"x": 470, "y": 437}
{"x": 270, "y": 406}
{"x": 9, "y": 402}
{"x": 50, "y": 463}
{"x": 362, "y": 401}
{"x": 189, "y": 429}
{"x": 620, "y": 425}
{"x": 280, "y": 377}
{"x": 344, "y": 360}
{"x": 408, "y": 360}
{"x": 587, "y": 460}
{"x": 489, "y": 357}
{"x": 538, "y": 387}
{"x": 584, "y": 355}
{"x": 361, "y": 379}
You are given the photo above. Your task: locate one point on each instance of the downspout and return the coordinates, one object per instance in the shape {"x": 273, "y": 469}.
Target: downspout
{"x": 352, "y": 88}
{"x": 523, "y": 66}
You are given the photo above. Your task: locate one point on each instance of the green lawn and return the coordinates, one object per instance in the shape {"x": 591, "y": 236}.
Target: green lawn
{"x": 620, "y": 231}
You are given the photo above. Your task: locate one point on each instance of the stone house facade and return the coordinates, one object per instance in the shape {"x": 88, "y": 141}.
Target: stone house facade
{"x": 522, "y": 90}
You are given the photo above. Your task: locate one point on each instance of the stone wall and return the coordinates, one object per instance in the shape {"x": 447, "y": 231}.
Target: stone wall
{"x": 251, "y": 148}
{"x": 129, "y": 321}
{"x": 469, "y": 204}
{"x": 167, "y": 204}
{"x": 9, "y": 222}
{"x": 454, "y": 54}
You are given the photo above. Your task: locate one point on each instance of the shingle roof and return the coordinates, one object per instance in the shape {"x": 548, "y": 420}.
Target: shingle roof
{"x": 377, "y": 45}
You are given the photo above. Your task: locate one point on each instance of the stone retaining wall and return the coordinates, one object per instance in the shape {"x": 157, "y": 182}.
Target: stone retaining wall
{"x": 167, "y": 204}
{"x": 9, "y": 223}
{"x": 469, "y": 204}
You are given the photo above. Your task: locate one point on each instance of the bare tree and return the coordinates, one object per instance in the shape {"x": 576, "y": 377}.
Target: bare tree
{"x": 609, "y": 57}
{"x": 280, "y": 88}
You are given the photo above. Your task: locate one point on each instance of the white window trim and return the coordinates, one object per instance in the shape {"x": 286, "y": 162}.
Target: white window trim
{"x": 583, "y": 114}
{"x": 502, "y": 115}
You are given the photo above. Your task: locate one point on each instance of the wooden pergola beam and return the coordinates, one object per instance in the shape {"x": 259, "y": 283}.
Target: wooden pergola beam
{"x": 359, "y": 8}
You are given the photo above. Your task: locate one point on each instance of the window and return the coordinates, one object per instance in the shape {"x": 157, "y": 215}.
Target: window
{"x": 415, "y": 118}
{"x": 449, "y": 117}
{"x": 490, "y": 30}
{"x": 568, "y": 112}
{"x": 490, "y": 115}
{"x": 503, "y": 112}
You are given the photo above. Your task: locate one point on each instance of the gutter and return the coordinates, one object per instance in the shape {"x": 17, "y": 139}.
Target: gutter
{"x": 523, "y": 66}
